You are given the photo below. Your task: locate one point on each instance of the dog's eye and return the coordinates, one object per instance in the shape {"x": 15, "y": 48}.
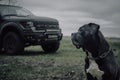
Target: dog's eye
{"x": 82, "y": 33}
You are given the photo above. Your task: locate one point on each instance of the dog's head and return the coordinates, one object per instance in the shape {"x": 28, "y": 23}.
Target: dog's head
{"x": 86, "y": 36}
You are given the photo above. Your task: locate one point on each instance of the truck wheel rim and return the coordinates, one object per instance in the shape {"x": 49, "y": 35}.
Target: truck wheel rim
{"x": 9, "y": 44}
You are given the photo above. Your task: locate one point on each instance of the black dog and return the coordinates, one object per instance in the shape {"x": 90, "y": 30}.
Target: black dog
{"x": 100, "y": 62}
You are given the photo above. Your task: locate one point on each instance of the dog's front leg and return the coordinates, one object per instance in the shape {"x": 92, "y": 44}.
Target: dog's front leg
{"x": 87, "y": 64}
{"x": 90, "y": 77}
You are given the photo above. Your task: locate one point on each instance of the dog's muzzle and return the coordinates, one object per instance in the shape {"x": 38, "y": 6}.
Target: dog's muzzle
{"x": 75, "y": 41}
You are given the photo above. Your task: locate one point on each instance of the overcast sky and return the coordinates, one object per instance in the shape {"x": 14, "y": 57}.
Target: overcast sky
{"x": 74, "y": 13}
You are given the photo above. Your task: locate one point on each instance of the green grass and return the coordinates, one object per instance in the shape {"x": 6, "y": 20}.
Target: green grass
{"x": 66, "y": 64}
{"x": 115, "y": 44}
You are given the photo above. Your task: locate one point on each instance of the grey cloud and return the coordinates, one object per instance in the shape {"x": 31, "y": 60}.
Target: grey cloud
{"x": 105, "y": 9}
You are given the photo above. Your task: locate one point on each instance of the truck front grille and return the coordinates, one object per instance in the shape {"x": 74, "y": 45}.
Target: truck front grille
{"x": 46, "y": 26}
{"x": 39, "y": 27}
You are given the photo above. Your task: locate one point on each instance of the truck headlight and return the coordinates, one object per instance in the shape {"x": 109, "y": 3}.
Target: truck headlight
{"x": 29, "y": 24}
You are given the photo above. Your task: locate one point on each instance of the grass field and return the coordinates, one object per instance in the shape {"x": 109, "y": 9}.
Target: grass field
{"x": 66, "y": 64}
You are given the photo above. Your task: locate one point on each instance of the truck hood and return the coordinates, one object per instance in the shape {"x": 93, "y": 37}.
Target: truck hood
{"x": 31, "y": 18}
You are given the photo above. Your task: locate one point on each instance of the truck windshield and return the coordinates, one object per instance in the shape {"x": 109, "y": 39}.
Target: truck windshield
{"x": 14, "y": 11}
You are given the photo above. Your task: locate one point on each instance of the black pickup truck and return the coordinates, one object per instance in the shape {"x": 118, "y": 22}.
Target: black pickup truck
{"x": 19, "y": 28}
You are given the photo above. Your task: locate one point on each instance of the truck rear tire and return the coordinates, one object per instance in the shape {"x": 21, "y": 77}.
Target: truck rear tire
{"x": 12, "y": 43}
{"x": 51, "y": 47}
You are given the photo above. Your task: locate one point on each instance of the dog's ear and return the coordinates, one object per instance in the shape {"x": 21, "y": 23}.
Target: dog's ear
{"x": 97, "y": 27}
{"x": 94, "y": 26}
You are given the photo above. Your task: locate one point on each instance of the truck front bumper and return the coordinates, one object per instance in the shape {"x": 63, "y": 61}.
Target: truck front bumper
{"x": 34, "y": 38}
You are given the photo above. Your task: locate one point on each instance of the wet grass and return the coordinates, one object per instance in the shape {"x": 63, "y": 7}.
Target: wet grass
{"x": 66, "y": 64}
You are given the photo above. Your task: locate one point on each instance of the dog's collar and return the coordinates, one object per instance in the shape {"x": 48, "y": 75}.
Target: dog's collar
{"x": 102, "y": 56}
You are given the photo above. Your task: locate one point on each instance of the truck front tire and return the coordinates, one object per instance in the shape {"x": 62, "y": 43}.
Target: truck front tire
{"x": 51, "y": 47}
{"x": 12, "y": 43}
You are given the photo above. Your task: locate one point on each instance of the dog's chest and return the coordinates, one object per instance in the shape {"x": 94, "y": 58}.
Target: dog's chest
{"x": 94, "y": 70}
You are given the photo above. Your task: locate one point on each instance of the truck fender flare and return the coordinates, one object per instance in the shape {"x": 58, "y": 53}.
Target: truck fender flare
{"x": 19, "y": 28}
